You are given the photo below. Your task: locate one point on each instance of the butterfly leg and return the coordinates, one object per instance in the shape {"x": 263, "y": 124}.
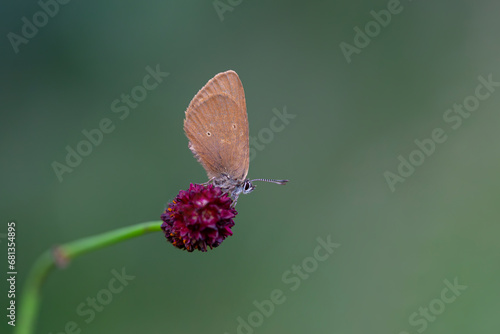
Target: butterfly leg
{"x": 235, "y": 199}
{"x": 208, "y": 182}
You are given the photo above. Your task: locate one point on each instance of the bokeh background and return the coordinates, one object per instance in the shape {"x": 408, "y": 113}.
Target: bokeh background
{"x": 352, "y": 121}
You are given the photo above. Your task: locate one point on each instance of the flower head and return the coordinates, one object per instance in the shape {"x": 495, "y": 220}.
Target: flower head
{"x": 198, "y": 217}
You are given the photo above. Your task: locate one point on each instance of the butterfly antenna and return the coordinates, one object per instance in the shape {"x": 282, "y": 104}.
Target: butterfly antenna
{"x": 271, "y": 180}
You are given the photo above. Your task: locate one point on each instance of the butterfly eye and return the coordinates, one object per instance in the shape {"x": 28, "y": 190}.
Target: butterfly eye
{"x": 248, "y": 187}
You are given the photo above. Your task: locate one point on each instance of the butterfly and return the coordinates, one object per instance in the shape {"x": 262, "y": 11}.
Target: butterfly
{"x": 216, "y": 125}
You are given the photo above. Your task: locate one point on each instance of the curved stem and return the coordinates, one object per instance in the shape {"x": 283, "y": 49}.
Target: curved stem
{"x": 60, "y": 256}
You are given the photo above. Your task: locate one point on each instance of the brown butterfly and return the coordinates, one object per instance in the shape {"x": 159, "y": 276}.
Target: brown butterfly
{"x": 216, "y": 125}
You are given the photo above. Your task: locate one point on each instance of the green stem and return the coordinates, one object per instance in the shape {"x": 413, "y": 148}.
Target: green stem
{"x": 59, "y": 256}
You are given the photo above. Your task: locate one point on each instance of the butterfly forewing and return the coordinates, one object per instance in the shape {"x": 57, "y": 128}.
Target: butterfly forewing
{"x": 216, "y": 125}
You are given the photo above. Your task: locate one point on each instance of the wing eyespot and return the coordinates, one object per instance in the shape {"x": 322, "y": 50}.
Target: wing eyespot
{"x": 209, "y": 133}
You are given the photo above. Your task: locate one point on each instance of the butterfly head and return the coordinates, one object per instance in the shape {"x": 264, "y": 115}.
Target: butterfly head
{"x": 247, "y": 187}
{"x": 244, "y": 187}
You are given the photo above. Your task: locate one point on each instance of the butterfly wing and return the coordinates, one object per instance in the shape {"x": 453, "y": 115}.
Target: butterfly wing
{"x": 216, "y": 125}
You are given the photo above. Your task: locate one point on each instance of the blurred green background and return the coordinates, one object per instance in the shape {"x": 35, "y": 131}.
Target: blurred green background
{"x": 352, "y": 122}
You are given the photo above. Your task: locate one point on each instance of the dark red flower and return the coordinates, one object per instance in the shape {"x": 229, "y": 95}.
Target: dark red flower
{"x": 199, "y": 217}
